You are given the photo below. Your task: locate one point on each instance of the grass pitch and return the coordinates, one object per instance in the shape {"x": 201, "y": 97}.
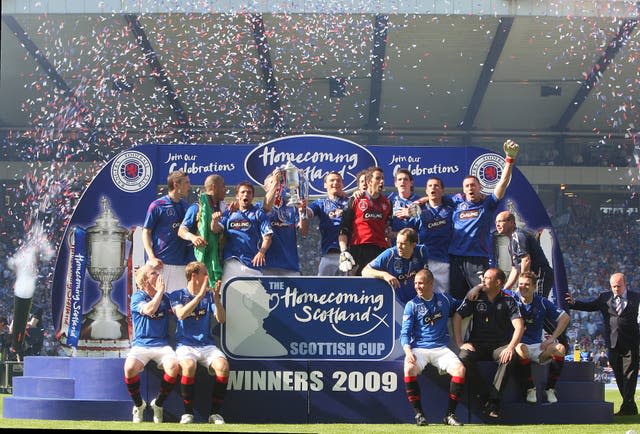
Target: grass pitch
{"x": 621, "y": 425}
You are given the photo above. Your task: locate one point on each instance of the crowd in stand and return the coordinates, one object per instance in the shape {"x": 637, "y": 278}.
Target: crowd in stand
{"x": 593, "y": 243}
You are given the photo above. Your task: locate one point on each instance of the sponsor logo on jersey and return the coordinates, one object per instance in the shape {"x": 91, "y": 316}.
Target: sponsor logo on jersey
{"x": 404, "y": 278}
{"x": 198, "y": 312}
{"x": 431, "y": 319}
{"x": 131, "y": 171}
{"x": 436, "y": 224}
{"x": 336, "y": 213}
{"x": 373, "y": 215}
{"x": 158, "y": 315}
{"x": 471, "y": 214}
{"x": 240, "y": 225}
{"x": 279, "y": 224}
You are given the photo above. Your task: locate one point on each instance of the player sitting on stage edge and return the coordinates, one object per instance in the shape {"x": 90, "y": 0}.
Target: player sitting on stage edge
{"x": 424, "y": 338}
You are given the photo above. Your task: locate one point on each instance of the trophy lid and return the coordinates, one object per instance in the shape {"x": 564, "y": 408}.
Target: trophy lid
{"x": 107, "y": 221}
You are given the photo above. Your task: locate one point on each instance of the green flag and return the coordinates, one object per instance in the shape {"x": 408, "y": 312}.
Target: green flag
{"x": 209, "y": 255}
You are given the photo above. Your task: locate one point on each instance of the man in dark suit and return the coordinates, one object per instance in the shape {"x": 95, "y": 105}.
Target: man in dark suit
{"x": 619, "y": 310}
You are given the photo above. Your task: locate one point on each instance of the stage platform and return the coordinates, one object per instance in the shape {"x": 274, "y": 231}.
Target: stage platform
{"x": 81, "y": 388}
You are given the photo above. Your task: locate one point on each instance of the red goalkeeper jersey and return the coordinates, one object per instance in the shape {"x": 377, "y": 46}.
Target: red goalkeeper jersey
{"x": 370, "y": 220}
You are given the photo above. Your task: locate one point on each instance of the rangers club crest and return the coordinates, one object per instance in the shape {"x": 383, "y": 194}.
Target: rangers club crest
{"x": 398, "y": 267}
{"x": 488, "y": 169}
{"x": 131, "y": 171}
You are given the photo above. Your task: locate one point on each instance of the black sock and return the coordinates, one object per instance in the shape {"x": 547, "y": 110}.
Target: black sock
{"x": 526, "y": 377}
{"x": 217, "y": 396}
{"x": 413, "y": 393}
{"x": 555, "y": 368}
{"x": 186, "y": 390}
{"x": 133, "y": 386}
{"x": 166, "y": 386}
{"x": 455, "y": 389}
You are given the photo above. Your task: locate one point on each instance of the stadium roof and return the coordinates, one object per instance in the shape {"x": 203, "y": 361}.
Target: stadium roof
{"x": 379, "y": 72}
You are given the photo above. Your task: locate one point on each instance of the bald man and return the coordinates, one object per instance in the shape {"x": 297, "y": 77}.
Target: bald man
{"x": 619, "y": 309}
{"x": 526, "y": 254}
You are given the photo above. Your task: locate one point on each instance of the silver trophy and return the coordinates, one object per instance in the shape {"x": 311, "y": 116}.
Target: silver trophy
{"x": 106, "y": 241}
{"x": 296, "y": 184}
{"x": 414, "y": 210}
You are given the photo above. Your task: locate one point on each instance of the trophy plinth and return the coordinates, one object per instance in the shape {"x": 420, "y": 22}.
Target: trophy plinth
{"x": 106, "y": 241}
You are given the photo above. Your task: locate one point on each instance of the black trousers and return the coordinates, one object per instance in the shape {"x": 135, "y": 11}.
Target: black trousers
{"x": 545, "y": 281}
{"x": 625, "y": 368}
{"x": 465, "y": 272}
{"x": 470, "y": 360}
{"x": 362, "y": 255}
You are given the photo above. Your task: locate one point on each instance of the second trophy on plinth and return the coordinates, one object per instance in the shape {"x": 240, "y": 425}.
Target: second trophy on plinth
{"x": 106, "y": 247}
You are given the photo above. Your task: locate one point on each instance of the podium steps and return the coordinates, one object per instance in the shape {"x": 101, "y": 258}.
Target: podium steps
{"x": 580, "y": 398}
{"x": 64, "y": 388}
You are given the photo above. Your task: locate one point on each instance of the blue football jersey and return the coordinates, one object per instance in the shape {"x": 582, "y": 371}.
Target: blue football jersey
{"x": 534, "y": 316}
{"x": 329, "y": 211}
{"x": 425, "y": 322}
{"x": 163, "y": 219}
{"x": 398, "y": 202}
{"x": 472, "y": 223}
{"x": 283, "y": 252}
{"x": 149, "y": 330}
{"x": 243, "y": 233}
{"x": 435, "y": 230}
{"x": 194, "y": 330}
{"x": 403, "y": 269}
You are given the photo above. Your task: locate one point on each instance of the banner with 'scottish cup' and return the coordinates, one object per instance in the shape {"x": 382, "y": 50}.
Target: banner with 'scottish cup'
{"x": 303, "y": 318}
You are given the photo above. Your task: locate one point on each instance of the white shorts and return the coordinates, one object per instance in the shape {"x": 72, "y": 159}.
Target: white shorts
{"x": 234, "y": 268}
{"x": 442, "y": 358}
{"x": 205, "y": 356}
{"x": 440, "y": 272}
{"x": 160, "y": 355}
{"x": 279, "y": 272}
{"x": 534, "y": 353}
{"x": 328, "y": 265}
{"x": 174, "y": 277}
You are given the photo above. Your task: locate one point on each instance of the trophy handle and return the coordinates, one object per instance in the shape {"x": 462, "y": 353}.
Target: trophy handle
{"x": 304, "y": 186}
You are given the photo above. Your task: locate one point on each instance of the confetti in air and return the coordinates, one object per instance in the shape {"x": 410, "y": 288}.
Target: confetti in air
{"x": 25, "y": 262}
{"x": 114, "y": 100}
